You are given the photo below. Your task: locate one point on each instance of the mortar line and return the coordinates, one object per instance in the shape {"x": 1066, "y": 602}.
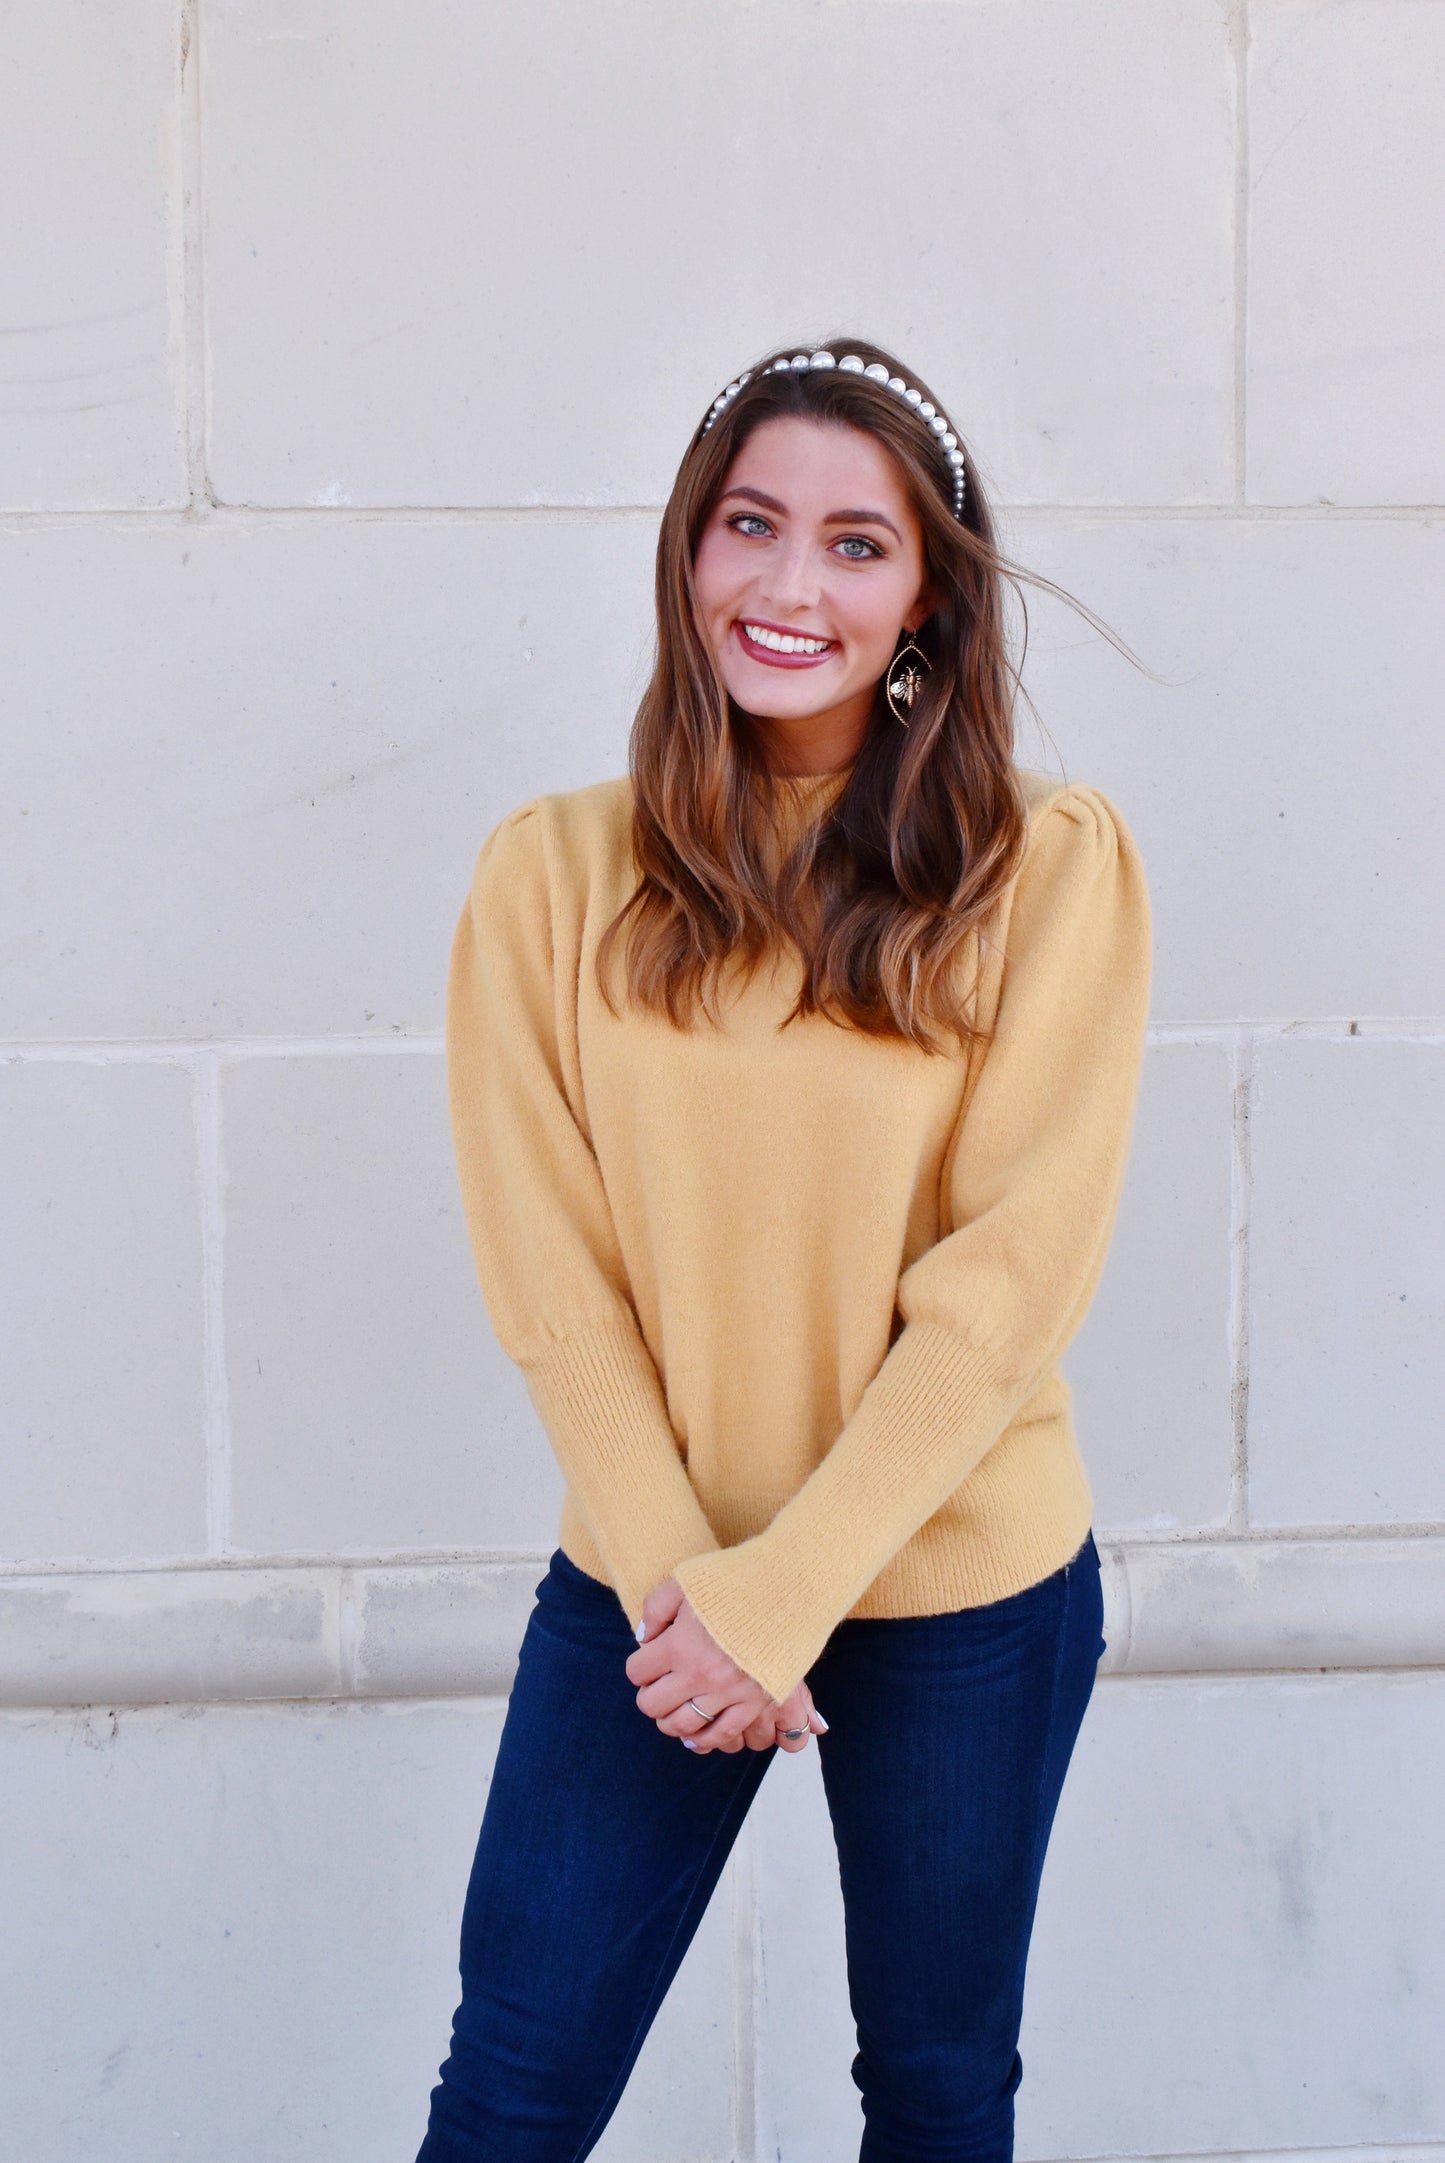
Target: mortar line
{"x": 186, "y": 1051}
{"x": 425, "y": 1561}
{"x": 193, "y": 269}
{"x": 1240, "y": 38}
{"x": 1241, "y": 1196}
{"x": 745, "y": 1996}
{"x": 347, "y": 1621}
{"x": 254, "y": 517}
{"x": 206, "y": 1086}
{"x": 1386, "y": 2152}
{"x": 305, "y": 1561}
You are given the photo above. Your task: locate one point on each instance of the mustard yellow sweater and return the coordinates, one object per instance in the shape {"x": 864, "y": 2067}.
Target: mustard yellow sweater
{"x": 790, "y": 1304}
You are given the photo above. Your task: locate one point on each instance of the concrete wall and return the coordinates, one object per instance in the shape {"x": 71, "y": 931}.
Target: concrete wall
{"x": 348, "y": 351}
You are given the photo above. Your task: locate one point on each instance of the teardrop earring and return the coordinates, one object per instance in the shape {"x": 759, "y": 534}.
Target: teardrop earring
{"x": 905, "y": 679}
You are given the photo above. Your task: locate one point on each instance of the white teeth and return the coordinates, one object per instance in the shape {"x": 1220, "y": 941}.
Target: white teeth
{"x": 784, "y": 641}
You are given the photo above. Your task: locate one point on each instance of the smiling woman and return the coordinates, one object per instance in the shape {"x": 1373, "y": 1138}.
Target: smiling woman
{"x": 826, "y": 495}
{"x": 792, "y": 582}
{"x": 792, "y": 1078}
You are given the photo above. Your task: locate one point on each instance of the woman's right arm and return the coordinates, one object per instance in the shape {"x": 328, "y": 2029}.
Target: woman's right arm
{"x": 541, "y": 1230}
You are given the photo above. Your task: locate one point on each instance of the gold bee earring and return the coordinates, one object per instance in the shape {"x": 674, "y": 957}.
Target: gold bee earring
{"x": 905, "y": 679}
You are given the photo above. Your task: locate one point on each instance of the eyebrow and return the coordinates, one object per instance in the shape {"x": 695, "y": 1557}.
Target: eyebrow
{"x": 834, "y": 518}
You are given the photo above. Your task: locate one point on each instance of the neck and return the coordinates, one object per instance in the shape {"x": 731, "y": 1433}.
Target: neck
{"x": 824, "y": 743}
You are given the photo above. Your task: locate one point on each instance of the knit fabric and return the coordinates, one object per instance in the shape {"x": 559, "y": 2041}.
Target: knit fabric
{"x": 790, "y": 1302}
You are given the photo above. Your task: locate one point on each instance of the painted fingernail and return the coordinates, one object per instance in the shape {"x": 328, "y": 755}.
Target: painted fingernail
{"x": 640, "y": 1633}
{"x": 688, "y": 1743}
{"x": 820, "y": 1720}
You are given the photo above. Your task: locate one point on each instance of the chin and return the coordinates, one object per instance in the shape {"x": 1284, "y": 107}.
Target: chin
{"x": 784, "y": 691}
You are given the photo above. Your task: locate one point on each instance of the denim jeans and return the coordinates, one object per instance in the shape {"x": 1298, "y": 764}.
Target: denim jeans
{"x": 602, "y": 1841}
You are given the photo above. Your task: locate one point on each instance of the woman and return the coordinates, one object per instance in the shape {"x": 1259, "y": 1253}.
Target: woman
{"x": 792, "y": 1078}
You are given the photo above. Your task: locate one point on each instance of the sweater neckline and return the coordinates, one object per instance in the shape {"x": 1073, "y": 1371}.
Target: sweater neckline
{"x": 829, "y": 773}
{"x": 798, "y": 800}
{"x": 805, "y": 788}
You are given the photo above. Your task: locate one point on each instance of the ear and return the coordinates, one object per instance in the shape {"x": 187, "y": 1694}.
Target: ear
{"x": 921, "y": 610}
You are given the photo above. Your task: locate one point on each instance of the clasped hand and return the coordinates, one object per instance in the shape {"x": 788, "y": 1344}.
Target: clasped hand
{"x": 678, "y": 1660}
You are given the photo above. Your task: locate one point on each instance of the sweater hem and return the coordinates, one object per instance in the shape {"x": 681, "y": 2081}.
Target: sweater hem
{"x": 995, "y": 1537}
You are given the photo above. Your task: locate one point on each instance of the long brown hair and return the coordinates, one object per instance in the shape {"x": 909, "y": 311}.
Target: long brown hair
{"x": 879, "y": 895}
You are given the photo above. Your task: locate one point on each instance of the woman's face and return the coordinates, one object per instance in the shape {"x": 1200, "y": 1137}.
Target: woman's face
{"x": 812, "y": 539}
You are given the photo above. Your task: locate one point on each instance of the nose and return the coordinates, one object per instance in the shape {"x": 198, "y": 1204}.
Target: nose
{"x": 793, "y": 581}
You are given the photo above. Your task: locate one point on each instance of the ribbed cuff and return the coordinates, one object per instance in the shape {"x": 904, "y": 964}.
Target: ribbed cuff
{"x": 933, "y": 1409}
{"x": 598, "y": 1395}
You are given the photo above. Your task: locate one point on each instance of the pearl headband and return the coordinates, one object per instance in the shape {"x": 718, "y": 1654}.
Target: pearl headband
{"x": 936, "y": 422}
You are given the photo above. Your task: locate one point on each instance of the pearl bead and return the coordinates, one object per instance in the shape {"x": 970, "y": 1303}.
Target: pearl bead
{"x": 877, "y": 372}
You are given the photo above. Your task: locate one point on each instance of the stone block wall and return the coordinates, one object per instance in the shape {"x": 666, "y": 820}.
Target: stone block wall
{"x": 348, "y": 352}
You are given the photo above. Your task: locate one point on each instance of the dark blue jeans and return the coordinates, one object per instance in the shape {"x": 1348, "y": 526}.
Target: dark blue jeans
{"x": 603, "y": 1839}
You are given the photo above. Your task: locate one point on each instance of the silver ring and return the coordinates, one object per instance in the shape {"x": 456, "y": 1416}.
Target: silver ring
{"x": 793, "y": 1733}
{"x": 698, "y": 1709}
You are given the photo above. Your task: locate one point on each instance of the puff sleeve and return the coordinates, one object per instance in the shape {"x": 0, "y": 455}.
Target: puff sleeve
{"x": 541, "y": 1229}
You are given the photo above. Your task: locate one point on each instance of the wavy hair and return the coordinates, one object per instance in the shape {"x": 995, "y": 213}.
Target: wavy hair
{"x": 883, "y": 893}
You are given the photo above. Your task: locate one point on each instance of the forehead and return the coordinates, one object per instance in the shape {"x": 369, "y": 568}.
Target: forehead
{"x": 820, "y": 465}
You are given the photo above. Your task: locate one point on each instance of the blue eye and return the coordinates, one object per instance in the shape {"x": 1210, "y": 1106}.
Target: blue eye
{"x": 740, "y": 519}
